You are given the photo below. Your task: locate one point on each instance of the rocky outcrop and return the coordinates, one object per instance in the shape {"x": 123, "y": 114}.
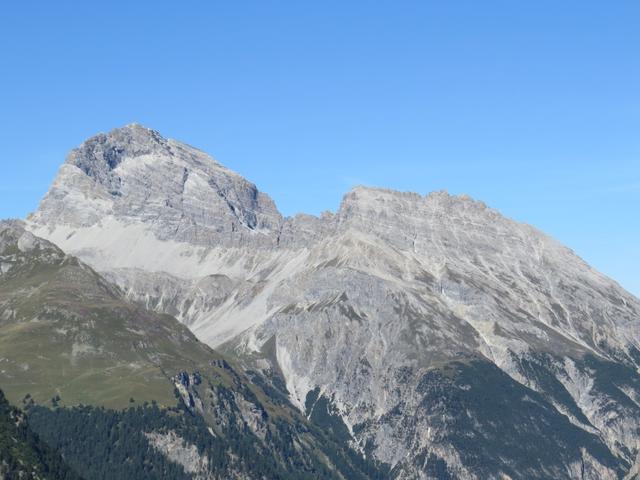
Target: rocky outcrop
{"x": 177, "y": 450}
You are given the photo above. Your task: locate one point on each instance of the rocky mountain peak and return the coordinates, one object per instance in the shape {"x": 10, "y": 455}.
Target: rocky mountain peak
{"x": 134, "y": 176}
{"x": 98, "y": 156}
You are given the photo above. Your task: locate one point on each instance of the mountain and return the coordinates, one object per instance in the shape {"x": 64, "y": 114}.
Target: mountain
{"x": 442, "y": 338}
{"x": 121, "y": 392}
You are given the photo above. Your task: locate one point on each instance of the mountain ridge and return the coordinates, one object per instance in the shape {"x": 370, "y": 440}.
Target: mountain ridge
{"x": 366, "y": 310}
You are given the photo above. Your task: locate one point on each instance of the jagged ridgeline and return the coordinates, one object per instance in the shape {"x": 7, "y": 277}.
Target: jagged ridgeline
{"x": 430, "y": 332}
{"x": 121, "y": 392}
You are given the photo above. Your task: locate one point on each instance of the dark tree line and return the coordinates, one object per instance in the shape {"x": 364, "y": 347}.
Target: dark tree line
{"x": 23, "y": 455}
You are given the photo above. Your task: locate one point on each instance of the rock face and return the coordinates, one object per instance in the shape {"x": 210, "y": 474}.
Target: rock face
{"x": 135, "y": 175}
{"x": 447, "y": 340}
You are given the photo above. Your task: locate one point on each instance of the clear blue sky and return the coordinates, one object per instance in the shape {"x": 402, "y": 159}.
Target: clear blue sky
{"x": 531, "y": 106}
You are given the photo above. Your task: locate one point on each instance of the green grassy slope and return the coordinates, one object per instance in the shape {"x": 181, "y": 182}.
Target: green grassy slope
{"x": 67, "y": 333}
